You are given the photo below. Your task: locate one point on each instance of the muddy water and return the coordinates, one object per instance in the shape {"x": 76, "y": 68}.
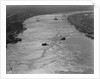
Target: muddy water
{"x": 48, "y": 29}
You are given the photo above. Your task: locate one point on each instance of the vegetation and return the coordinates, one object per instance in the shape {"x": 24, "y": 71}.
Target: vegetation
{"x": 83, "y": 22}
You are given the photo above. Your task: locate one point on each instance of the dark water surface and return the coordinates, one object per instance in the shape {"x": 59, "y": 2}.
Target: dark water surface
{"x": 46, "y": 9}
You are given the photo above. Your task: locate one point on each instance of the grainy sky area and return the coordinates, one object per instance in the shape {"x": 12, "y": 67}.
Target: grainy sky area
{"x": 45, "y": 9}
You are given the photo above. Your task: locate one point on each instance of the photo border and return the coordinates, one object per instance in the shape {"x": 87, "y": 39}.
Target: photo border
{"x": 3, "y": 40}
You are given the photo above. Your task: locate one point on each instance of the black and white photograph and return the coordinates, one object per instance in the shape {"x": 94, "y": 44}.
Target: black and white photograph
{"x": 49, "y": 39}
